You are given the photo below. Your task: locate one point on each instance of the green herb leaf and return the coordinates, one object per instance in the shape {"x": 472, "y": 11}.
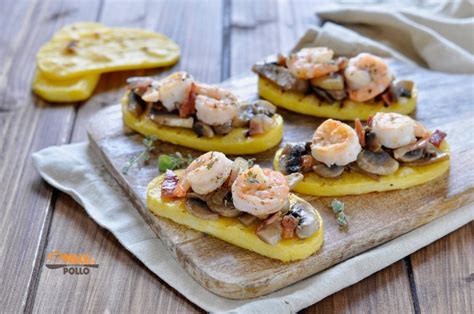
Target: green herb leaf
{"x": 149, "y": 142}
{"x": 337, "y": 206}
{"x": 338, "y": 209}
{"x": 173, "y": 161}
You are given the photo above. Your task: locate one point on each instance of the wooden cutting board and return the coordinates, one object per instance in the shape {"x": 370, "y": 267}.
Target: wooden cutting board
{"x": 375, "y": 218}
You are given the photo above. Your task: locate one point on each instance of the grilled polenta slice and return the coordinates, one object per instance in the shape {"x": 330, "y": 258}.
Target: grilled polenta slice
{"x": 231, "y": 230}
{"x": 235, "y": 143}
{"x": 70, "y": 90}
{"x": 310, "y": 104}
{"x": 91, "y": 50}
{"x": 353, "y": 183}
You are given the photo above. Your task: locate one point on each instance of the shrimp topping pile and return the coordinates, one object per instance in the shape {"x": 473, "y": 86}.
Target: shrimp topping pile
{"x": 335, "y": 143}
{"x": 309, "y": 63}
{"x": 362, "y": 78}
{"x": 214, "y": 105}
{"x": 367, "y": 76}
{"x": 213, "y": 186}
{"x": 260, "y": 192}
{"x": 387, "y": 142}
{"x": 205, "y": 174}
{"x": 180, "y": 101}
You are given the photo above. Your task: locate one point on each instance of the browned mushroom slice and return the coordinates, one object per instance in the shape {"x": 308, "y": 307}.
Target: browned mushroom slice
{"x": 293, "y": 179}
{"x": 172, "y": 120}
{"x": 380, "y": 163}
{"x": 328, "y": 172}
{"x": 202, "y": 129}
{"x": 354, "y": 167}
{"x": 199, "y": 209}
{"x": 440, "y": 156}
{"x": 247, "y": 219}
{"x": 269, "y": 231}
{"x": 308, "y": 222}
{"x": 281, "y": 76}
{"x": 260, "y": 124}
{"x": 411, "y": 152}
{"x": 399, "y": 89}
{"x": 222, "y": 129}
{"x": 136, "y": 105}
{"x": 220, "y": 202}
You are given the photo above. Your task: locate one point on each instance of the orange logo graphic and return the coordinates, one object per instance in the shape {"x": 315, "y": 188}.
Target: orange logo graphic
{"x": 71, "y": 263}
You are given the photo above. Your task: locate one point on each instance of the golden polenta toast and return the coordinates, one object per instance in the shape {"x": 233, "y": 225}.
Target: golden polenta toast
{"x": 313, "y": 82}
{"x": 182, "y": 111}
{"x": 91, "y": 51}
{"x": 241, "y": 204}
{"x": 391, "y": 152}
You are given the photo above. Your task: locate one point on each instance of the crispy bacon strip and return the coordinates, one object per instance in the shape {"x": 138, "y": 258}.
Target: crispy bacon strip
{"x": 307, "y": 162}
{"x": 188, "y": 107}
{"x": 369, "y": 121}
{"x": 360, "y": 132}
{"x": 387, "y": 98}
{"x": 437, "y": 137}
{"x": 169, "y": 184}
{"x": 289, "y": 224}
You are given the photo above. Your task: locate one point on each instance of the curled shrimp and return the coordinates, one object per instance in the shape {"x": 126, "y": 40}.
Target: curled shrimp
{"x": 335, "y": 143}
{"x": 309, "y": 63}
{"x": 395, "y": 130}
{"x": 205, "y": 174}
{"x": 214, "y": 105}
{"x": 367, "y": 76}
{"x": 171, "y": 91}
{"x": 260, "y": 192}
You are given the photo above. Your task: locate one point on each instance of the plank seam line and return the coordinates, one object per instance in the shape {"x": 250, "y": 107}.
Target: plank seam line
{"x": 411, "y": 280}
{"x": 226, "y": 39}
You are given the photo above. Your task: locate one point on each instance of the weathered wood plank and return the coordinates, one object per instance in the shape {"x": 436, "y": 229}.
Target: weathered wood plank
{"x": 444, "y": 273}
{"x": 27, "y": 125}
{"x": 140, "y": 290}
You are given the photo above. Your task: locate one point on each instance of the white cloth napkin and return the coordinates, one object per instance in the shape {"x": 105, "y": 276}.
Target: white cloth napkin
{"x": 75, "y": 170}
{"x": 441, "y": 39}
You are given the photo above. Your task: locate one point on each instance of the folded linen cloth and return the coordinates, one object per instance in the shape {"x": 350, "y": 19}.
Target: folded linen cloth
{"x": 441, "y": 39}
{"x": 75, "y": 170}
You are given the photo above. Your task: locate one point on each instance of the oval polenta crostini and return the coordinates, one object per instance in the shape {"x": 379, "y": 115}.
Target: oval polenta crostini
{"x": 390, "y": 152}
{"x": 313, "y": 82}
{"x": 240, "y": 203}
{"x": 182, "y": 111}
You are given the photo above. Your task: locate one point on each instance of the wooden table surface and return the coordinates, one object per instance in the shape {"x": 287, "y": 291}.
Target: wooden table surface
{"x": 218, "y": 39}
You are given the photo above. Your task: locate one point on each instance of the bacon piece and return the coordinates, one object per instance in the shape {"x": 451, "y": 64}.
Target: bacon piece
{"x": 139, "y": 82}
{"x": 360, "y": 132}
{"x": 169, "y": 184}
{"x": 387, "y": 98}
{"x": 307, "y": 163}
{"x": 289, "y": 224}
{"x": 437, "y": 137}
{"x": 188, "y": 107}
{"x": 369, "y": 121}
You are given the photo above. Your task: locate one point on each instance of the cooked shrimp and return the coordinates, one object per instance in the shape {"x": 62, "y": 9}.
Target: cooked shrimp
{"x": 394, "y": 130}
{"x": 214, "y": 105}
{"x": 309, "y": 63}
{"x": 367, "y": 76}
{"x": 260, "y": 191}
{"x": 171, "y": 91}
{"x": 205, "y": 174}
{"x": 335, "y": 143}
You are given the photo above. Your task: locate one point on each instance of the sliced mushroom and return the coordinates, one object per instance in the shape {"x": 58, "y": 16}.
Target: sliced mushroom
{"x": 220, "y": 202}
{"x": 372, "y": 143}
{"x": 239, "y": 164}
{"x": 400, "y": 89}
{"x": 260, "y": 124}
{"x": 440, "y": 156}
{"x": 323, "y": 94}
{"x": 203, "y": 130}
{"x": 263, "y": 107}
{"x": 222, "y": 129}
{"x": 269, "y": 231}
{"x": 136, "y": 105}
{"x": 354, "y": 167}
{"x": 411, "y": 152}
{"x": 337, "y": 94}
{"x": 244, "y": 114}
{"x": 199, "y": 209}
{"x": 139, "y": 84}
{"x": 308, "y": 222}
{"x": 333, "y": 81}
{"x": 247, "y": 219}
{"x": 172, "y": 120}
{"x": 293, "y": 179}
{"x": 281, "y": 76}
{"x": 380, "y": 163}
{"x": 290, "y": 160}
{"x": 328, "y": 172}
